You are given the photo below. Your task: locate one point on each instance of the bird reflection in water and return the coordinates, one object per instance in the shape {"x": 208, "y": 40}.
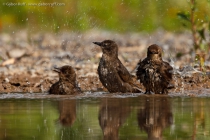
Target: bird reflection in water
{"x": 112, "y": 115}
{"x": 67, "y": 110}
{"x": 155, "y": 117}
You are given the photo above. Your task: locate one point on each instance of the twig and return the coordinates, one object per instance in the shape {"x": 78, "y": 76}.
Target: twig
{"x": 193, "y": 25}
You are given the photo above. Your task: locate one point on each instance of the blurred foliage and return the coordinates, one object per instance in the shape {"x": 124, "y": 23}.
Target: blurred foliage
{"x": 200, "y": 60}
{"x": 117, "y": 15}
{"x": 199, "y": 23}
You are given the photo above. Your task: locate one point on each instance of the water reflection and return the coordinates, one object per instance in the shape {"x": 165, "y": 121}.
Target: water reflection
{"x": 112, "y": 114}
{"x": 155, "y": 116}
{"x": 67, "y": 111}
{"x": 105, "y": 118}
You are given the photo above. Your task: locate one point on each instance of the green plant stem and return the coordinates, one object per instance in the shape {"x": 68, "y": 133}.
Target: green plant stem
{"x": 193, "y": 26}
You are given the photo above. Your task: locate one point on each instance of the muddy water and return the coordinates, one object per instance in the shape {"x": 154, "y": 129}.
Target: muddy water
{"x": 109, "y": 118}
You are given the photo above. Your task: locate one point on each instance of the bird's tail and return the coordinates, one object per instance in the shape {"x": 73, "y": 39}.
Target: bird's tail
{"x": 136, "y": 90}
{"x": 136, "y": 85}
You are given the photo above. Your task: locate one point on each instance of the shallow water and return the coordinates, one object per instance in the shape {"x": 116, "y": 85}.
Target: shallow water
{"x": 110, "y": 118}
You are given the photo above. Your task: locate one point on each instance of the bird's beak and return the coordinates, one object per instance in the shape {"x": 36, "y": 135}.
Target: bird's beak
{"x": 98, "y": 43}
{"x": 56, "y": 69}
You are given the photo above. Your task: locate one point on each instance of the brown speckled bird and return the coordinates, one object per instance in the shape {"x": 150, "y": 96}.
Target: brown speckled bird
{"x": 154, "y": 73}
{"x": 112, "y": 73}
{"x": 67, "y": 83}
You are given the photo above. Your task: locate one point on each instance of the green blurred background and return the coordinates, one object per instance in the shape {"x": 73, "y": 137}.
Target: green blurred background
{"x": 81, "y": 15}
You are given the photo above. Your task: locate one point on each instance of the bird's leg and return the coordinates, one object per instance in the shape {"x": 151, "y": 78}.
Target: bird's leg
{"x": 164, "y": 91}
{"x": 147, "y": 91}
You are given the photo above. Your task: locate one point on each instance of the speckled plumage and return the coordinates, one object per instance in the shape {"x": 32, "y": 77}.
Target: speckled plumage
{"x": 154, "y": 73}
{"x": 67, "y": 82}
{"x": 112, "y": 73}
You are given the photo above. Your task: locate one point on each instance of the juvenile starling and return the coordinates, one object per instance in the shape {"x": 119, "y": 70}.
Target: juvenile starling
{"x": 67, "y": 81}
{"x": 154, "y": 73}
{"x": 112, "y": 73}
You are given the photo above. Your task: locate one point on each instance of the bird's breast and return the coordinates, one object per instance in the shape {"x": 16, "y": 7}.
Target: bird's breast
{"x": 104, "y": 71}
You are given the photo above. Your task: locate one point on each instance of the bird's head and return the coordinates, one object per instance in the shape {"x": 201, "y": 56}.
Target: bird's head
{"x": 108, "y": 47}
{"x": 154, "y": 52}
{"x": 66, "y": 73}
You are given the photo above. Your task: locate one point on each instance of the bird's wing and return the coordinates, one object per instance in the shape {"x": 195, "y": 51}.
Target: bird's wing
{"x": 168, "y": 69}
{"x": 141, "y": 69}
{"x": 123, "y": 72}
{"x": 127, "y": 77}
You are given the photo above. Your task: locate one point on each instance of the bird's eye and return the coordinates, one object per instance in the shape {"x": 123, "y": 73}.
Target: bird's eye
{"x": 106, "y": 44}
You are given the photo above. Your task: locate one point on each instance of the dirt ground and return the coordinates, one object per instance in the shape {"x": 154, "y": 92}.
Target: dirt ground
{"x": 27, "y": 59}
